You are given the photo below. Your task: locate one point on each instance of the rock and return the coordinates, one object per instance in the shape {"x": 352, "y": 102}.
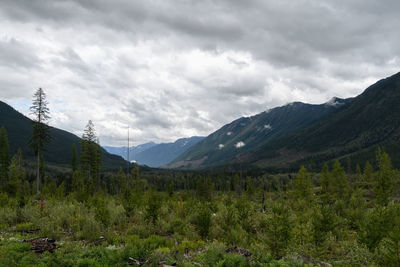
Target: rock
{"x": 133, "y": 261}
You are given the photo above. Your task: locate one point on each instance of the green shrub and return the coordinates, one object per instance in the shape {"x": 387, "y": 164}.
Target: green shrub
{"x": 91, "y": 229}
{"x": 213, "y": 254}
{"x": 25, "y": 227}
{"x": 153, "y": 206}
{"x": 203, "y": 220}
{"x": 190, "y": 245}
{"x": 233, "y": 260}
{"x": 155, "y": 241}
{"x": 3, "y": 199}
{"x": 8, "y": 215}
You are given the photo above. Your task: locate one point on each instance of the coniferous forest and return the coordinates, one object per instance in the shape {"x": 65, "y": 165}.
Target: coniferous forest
{"x": 338, "y": 216}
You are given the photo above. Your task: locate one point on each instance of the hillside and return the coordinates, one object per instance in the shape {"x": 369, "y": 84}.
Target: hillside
{"x": 248, "y": 133}
{"x": 58, "y": 151}
{"x": 372, "y": 119}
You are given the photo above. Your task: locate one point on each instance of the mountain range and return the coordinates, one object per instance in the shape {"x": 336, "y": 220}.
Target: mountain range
{"x": 58, "y": 151}
{"x": 156, "y": 155}
{"x": 279, "y": 139}
{"x": 133, "y": 150}
{"x": 298, "y": 133}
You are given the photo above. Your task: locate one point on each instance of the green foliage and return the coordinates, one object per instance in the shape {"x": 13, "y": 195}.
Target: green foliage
{"x": 302, "y": 184}
{"x": 153, "y": 206}
{"x": 389, "y": 249}
{"x": 378, "y": 223}
{"x": 323, "y": 221}
{"x": 340, "y": 184}
{"x": 233, "y": 260}
{"x": 16, "y": 177}
{"x": 279, "y": 229}
{"x": 213, "y": 254}
{"x": 4, "y": 156}
{"x": 368, "y": 172}
{"x": 74, "y": 160}
{"x": 90, "y": 158}
{"x": 383, "y": 184}
{"x": 204, "y": 189}
{"x": 41, "y": 131}
{"x": 216, "y": 228}
{"x": 27, "y": 226}
{"x": 203, "y": 220}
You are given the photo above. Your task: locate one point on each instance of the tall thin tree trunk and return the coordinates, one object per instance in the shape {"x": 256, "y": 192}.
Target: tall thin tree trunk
{"x": 38, "y": 173}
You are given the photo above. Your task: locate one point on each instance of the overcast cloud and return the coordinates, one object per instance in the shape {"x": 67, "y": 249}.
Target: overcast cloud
{"x": 172, "y": 69}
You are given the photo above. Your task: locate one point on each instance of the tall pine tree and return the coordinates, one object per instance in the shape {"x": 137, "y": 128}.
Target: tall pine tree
{"x": 341, "y": 185}
{"x": 302, "y": 184}
{"x": 41, "y": 131}
{"x": 383, "y": 184}
{"x": 91, "y": 157}
{"x": 4, "y": 156}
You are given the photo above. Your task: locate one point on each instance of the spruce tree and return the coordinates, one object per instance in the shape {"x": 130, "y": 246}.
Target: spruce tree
{"x": 41, "y": 131}
{"x": 97, "y": 164}
{"x": 91, "y": 157}
{"x": 4, "y": 155}
{"x": 74, "y": 161}
{"x": 383, "y": 184}
{"x": 325, "y": 179}
{"x": 368, "y": 173}
{"x": 16, "y": 177}
{"x": 279, "y": 229}
{"x": 340, "y": 182}
{"x": 359, "y": 179}
{"x": 203, "y": 220}
{"x": 302, "y": 184}
{"x": 121, "y": 180}
{"x": 322, "y": 222}
{"x": 135, "y": 172}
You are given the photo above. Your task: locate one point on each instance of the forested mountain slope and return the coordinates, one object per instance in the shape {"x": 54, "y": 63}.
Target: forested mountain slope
{"x": 58, "y": 151}
{"x": 372, "y": 119}
{"x": 248, "y": 133}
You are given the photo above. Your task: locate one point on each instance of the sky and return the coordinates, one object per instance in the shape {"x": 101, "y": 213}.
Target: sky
{"x": 172, "y": 69}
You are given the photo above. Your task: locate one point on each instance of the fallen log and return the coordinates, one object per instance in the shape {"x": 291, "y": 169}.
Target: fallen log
{"x": 40, "y": 245}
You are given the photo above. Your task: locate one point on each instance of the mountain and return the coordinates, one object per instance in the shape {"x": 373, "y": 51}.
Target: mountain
{"x": 248, "y": 133}
{"x": 133, "y": 151}
{"x": 58, "y": 151}
{"x": 157, "y": 155}
{"x": 370, "y": 121}
{"x": 164, "y": 153}
{"x": 346, "y": 129}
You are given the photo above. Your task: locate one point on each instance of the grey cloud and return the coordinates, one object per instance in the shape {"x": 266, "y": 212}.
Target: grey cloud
{"x": 138, "y": 62}
{"x": 18, "y": 55}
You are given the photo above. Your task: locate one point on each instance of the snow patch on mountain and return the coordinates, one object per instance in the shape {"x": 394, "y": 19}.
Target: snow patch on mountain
{"x": 240, "y": 144}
